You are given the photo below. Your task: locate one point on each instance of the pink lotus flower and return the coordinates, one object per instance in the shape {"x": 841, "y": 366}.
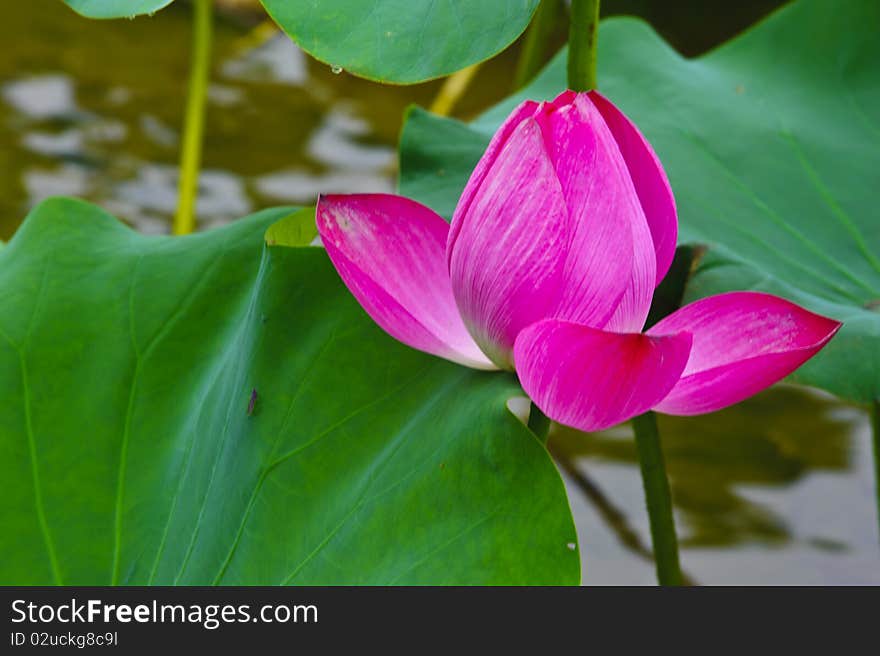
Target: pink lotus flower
{"x": 559, "y": 239}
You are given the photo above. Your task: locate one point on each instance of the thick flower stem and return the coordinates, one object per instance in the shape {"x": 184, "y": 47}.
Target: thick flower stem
{"x": 539, "y": 423}
{"x": 582, "y": 37}
{"x": 658, "y": 499}
{"x": 875, "y": 431}
{"x": 191, "y": 151}
{"x": 534, "y": 50}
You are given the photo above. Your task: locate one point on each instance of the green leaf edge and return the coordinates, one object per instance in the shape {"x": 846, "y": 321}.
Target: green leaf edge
{"x": 113, "y": 15}
{"x": 399, "y": 81}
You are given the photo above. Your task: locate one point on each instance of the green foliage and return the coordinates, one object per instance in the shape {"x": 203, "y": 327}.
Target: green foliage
{"x": 116, "y": 8}
{"x": 772, "y": 145}
{"x": 296, "y": 229}
{"x": 402, "y": 41}
{"x": 396, "y": 41}
{"x": 209, "y": 409}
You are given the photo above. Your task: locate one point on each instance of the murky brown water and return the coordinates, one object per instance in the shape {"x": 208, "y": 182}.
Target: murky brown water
{"x": 776, "y": 490}
{"x": 93, "y": 109}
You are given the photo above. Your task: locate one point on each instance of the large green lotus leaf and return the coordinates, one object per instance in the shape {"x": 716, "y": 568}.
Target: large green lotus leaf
{"x": 402, "y": 41}
{"x": 130, "y": 451}
{"x": 116, "y": 8}
{"x": 772, "y": 146}
{"x": 397, "y": 41}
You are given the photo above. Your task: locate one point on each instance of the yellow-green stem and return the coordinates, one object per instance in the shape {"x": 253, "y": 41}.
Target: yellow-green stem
{"x": 194, "y": 122}
{"x": 658, "y": 499}
{"x": 533, "y": 55}
{"x": 454, "y": 87}
{"x": 582, "y": 37}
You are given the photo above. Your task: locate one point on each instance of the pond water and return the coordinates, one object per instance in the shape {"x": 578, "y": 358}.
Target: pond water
{"x": 776, "y": 490}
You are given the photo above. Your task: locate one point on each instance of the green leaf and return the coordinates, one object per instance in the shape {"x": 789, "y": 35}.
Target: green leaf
{"x": 772, "y": 146}
{"x": 397, "y": 41}
{"x": 116, "y": 8}
{"x": 402, "y": 41}
{"x": 437, "y": 156}
{"x": 131, "y": 453}
{"x": 296, "y": 229}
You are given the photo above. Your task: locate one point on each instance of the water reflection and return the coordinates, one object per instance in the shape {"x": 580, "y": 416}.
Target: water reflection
{"x": 778, "y": 489}
{"x": 349, "y": 164}
{"x": 277, "y": 60}
{"x": 95, "y": 111}
{"x": 41, "y": 97}
{"x": 151, "y": 197}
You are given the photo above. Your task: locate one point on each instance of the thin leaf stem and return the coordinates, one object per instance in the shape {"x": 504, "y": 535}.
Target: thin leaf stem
{"x": 194, "y": 122}
{"x": 454, "y": 87}
{"x": 582, "y": 37}
{"x": 658, "y": 499}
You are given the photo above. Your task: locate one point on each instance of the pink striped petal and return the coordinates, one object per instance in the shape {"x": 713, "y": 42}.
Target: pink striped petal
{"x": 649, "y": 179}
{"x": 390, "y": 252}
{"x": 631, "y": 312}
{"x": 506, "y": 261}
{"x": 591, "y": 379}
{"x": 743, "y": 342}
{"x": 604, "y": 210}
{"x": 523, "y": 111}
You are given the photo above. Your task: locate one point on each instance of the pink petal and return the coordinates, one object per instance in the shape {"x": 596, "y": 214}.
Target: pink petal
{"x": 743, "y": 342}
{"x": 523, "y": 111}
{"x": 506, "y": 262}
{"x": 649, "y": 179}
{"x": 605, "y": 215}
{"x": 516, "y": 257}
{"x": 390, "y": 252}
{"x": 631, "y": 312}
{"x": 591, "y": 379}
